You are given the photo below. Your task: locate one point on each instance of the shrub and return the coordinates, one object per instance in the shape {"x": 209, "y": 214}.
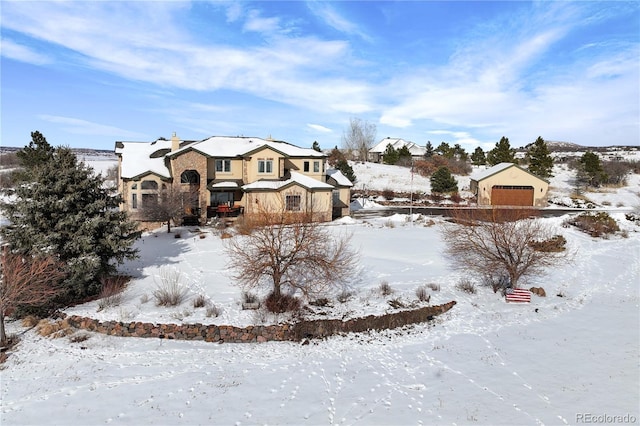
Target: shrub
{"x": 434, "y": 287}
{"x": 79, "y": 337}
{"x": 554, "y": 244}
{"x": 282, "y": 303}
{"x": 323, "y": 301}
{"x": 249, "y": 297}
{"x": 170, "y": 292}
{"x": 422, "y": 294}
{"x": 595, "y": 224}
{"x": 111, "y": 292}
{"x": 212, "y": 311}
{"x": 384, "y": 288}
{"x": 466, "y": 286}
{"x": 30, "y": 321}
{"x": 388, "y": 194}
{"x": 396, "y": 303}
{"x": 200, "y": 301}
{"x": 344, "y": 296}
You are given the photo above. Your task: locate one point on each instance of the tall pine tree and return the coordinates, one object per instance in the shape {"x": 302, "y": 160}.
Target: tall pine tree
{"x": 540, "y": 159}
{"x": 37, "y": 153}
{"x": 477, "y": 157}
{"x": 66, "y": 211}
{"x": 502, "y": 153}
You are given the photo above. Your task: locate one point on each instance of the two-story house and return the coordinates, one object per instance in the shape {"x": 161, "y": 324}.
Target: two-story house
{"x": 230, "y": 175}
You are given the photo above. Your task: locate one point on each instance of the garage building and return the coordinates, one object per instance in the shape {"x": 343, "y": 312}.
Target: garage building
{"x": 507, "y": 184}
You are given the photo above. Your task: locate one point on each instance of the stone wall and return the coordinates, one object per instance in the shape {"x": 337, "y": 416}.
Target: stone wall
{"x": 259, "y": 333}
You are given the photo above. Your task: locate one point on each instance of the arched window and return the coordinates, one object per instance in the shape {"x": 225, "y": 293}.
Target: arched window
{"x": 149, "y": 184}
{"x": 190, "y": 176}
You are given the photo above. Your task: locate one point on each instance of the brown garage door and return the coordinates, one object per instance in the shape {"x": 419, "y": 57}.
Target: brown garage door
{"x": 502, "y": 195}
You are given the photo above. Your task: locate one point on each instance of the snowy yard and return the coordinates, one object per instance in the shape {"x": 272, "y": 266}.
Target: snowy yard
{"x": 484, "y": 362}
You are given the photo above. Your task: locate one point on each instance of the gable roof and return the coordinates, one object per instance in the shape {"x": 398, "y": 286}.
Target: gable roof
{"x": 238, "y": 146}
{"x": 340, "y": 178}
{"x": 138, "y": 159}
{"x": 398, "y": 143}
{"x": 296, "y": 178}
{"x": 498, "y": 168}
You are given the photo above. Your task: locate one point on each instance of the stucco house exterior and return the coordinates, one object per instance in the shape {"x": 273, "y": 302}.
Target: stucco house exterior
{"x": 507, "y": 184}
{"x": 222, "y": 175}
{"x": 376, "y": 154}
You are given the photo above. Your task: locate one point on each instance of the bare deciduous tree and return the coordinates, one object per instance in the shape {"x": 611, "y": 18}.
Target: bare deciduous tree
{"x": 288, "y": 252}
{"x": 26, "y": 281}
{"x": 359, "y": 137}
{"x": 169, "y": 204}
{"x": 501, "y": 242}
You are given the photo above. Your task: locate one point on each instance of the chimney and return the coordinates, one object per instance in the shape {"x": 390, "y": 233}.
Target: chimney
{"x": 175, "y": 142}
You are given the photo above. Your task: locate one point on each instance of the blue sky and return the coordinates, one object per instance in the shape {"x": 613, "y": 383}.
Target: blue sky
{"x": 86, "y": 74}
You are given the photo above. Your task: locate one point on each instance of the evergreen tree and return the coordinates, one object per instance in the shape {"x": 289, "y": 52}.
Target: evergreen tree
{"x": 592, "y": 168}
{"x": 334, "y": 156}
{"x": 316, "y": 146}
{"x": 390, "y": 155}
{"x": 477, "y": 157}
{"x": 404, "y": 156}
{"x": 346, "y": 169}
{"x": 445, "y": 150}
{"x": 502, "y": 153}
{"x": 539, "y": 158}
{"x": 34, "y": 155}
{"x": 66, "y": 211}
{"x": 442, "y": 181}
{"x": 460, "y": 153}
{"x": 428, "y": 150}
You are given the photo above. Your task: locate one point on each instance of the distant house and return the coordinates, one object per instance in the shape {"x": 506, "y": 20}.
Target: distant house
{"x": 506, "y": 184}
{"x": 376, "y": 154}
{"x": 222, "y": 176}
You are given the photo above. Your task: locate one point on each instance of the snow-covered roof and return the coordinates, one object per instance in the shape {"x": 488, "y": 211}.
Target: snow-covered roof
{"x": 300, "y": 179}
{"x": 497, "y": 169}
{"x": 234, "y": 146}
{"x": 137, "y": 158}
{"x": 398, "y": 143}
{"x": 340, "y": 179}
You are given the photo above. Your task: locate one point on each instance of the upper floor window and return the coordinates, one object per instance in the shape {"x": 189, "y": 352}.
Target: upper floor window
{"x": 134, "y": 201}
{"x": 265, "y": 166}
{"x": 316, "y": 167}
{"x": 292, "y": 203}
{"x": 191, "y": 177}
{"x": 306, "y": 166}
{"x": 149, "y": 184}
{"x": 223, "y": 166}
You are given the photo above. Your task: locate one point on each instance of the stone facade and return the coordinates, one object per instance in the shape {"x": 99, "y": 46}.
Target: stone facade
{"x": 259, "y": 333}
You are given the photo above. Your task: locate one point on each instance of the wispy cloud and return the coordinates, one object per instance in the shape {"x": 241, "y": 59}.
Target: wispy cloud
{"x": 319, "y": 128}
{"x": 330, "y": 16}
{"x": 22, "y": 53}
{"x": 83, "y": 127}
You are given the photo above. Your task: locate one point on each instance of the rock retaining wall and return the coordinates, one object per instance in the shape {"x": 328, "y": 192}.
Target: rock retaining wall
{"x": 259, "y": 333}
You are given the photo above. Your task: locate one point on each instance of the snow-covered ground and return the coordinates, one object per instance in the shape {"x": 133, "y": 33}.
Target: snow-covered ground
{"x": 557, "y": 360}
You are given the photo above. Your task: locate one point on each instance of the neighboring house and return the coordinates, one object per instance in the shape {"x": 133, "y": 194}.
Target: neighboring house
{"x": 506, "y": 184}
{"x": 341, "y": 192}
{"x": 228, "y": 176}
{"x": 376, "y": 154}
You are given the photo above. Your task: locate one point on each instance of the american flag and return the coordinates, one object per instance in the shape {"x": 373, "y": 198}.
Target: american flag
{"x": 518, "y": 295}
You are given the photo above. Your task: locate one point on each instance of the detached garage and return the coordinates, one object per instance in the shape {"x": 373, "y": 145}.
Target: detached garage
{"x": 506, "y": 184}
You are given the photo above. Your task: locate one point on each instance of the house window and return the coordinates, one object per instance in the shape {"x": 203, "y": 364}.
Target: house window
{"x": 191, "y": 177}
{"x": 223, "y": 166}
{"x": 265, "y": 166}
{"x": 306, "y": 166}
{"x": 149, "y": 184}
{"x": 149, "y": 200}
{"x": 316, "y": 167}
{"x": 134, "y": 201}
{"x": 134, "y": 186}
{"x": 292, "y": 203}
